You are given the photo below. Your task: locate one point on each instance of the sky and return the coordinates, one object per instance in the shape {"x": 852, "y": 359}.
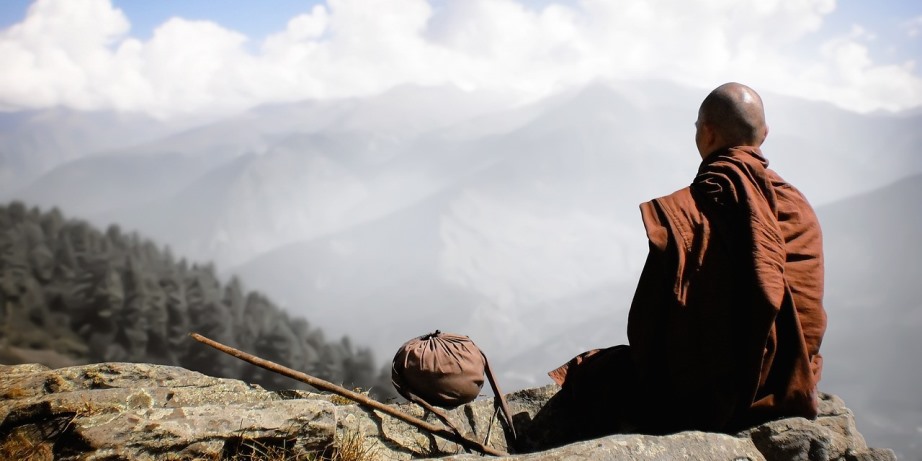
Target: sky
{"x": 174, "y": 58}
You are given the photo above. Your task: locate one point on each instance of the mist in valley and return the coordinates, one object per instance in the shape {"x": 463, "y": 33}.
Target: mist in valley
{"x": 379, "y": 170}
{"x": 424, "y": 208}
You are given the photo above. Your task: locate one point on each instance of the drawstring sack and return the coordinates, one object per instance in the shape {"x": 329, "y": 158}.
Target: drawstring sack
{"x": 445, "y": 370}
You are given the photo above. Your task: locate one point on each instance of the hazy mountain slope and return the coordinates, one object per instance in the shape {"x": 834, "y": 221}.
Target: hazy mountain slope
{"x": 872, "y": 263}
{"x": 595, "y": 318}
{"x": 305, "y": 186}
{"x": 185, "y": 211}
{"x": 95, "y": 185}
{"x": 133, "y": 176}
{"x": 611, "y": 145}
{"x": 161, "y": 167}
{"x": 831, "y": 154}
{"x": 378, "y": 281}
{"x": 34, "y": 142}
{"x": 544, "y": 212}
{"x": 411, "y": 110}
{"x": 522, "y": 224}
{"x": 307, "y": 166}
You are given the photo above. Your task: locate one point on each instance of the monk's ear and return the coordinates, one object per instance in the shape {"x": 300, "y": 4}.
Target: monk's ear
{"x": 710, "y": 134}
{"x": 764, "y": 135}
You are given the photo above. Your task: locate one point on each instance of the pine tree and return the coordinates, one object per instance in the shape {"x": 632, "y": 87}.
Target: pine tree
{"x": 115, "y": 296}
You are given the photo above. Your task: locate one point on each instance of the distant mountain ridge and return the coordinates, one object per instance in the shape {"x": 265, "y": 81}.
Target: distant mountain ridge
{"x": 403, "y": 145}
{"x": 426, "y": 208}
{"x": 873, "y": 250}
{"x": 33, "y": 143}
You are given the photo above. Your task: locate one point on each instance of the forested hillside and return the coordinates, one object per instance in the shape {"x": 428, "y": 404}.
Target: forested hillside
{"x": 112, "y": 296}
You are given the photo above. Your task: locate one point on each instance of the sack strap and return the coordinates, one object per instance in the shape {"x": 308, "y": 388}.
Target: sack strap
{"x": 499, "y": 395}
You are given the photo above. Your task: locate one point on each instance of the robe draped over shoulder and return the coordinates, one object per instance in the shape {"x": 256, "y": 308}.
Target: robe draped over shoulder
{"x": 727, "y": 319}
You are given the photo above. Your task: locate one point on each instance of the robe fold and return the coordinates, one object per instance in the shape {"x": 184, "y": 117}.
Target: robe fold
{"x": 727, "y": 319}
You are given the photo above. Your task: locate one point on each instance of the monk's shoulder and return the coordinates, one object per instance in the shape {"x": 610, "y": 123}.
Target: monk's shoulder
{"x": 681, "y": 198}
{"x": 676, "y": 214}
{"x": 791, "y": 202}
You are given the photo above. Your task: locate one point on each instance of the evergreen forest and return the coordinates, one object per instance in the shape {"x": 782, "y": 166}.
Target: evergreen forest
{"x": 88, "y": 296}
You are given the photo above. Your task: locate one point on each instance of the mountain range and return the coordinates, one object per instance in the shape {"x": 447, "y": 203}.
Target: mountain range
{"x": 428, "y": 208}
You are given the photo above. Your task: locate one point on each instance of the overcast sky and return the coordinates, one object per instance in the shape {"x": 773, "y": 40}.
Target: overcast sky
{"x": 189, "y": 57}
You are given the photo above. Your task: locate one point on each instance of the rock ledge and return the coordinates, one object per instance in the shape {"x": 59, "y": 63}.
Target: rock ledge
{"x": 115, "y": 411}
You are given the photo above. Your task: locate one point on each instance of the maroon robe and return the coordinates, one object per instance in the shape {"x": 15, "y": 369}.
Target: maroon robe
{"x": 727, "y": 320}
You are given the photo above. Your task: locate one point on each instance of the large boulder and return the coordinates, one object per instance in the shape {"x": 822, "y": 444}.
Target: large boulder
{"x": 139, "y": 411}
{"x": 115, "y": 411}
{"x": 832, "y": 436}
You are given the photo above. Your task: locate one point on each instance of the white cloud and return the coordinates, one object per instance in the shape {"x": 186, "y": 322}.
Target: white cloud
{"x": 58, "y": 54}
{"x": 79, "y": 53}
{"x": 847, "y": 75}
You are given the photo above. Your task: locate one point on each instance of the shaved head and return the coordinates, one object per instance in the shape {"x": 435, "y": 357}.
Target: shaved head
{"x": 734, "y": 114}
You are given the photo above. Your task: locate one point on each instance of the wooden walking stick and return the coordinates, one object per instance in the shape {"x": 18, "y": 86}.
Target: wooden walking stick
{"x": 361, "y": 399}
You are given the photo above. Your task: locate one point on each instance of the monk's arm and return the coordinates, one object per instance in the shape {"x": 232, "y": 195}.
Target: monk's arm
{"x": 645, "y": 319}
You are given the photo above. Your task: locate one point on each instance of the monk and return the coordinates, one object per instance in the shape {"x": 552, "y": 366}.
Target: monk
{"x": 726, "y": 323}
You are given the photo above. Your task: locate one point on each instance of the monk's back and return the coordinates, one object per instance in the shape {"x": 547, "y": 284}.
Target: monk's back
{"x": 727, "y": 320}
{"x": 707, "y": 335}
{"x": 803, "y": 267}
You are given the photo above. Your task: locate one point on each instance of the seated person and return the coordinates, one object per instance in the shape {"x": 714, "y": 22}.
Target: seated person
{"x": 727, "y": 319}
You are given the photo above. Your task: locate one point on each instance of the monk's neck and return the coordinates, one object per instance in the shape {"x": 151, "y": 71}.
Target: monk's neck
{"x": 740, "y": 152}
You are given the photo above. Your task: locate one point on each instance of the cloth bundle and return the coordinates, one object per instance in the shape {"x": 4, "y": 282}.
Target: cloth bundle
{"x": 444, "y": 370}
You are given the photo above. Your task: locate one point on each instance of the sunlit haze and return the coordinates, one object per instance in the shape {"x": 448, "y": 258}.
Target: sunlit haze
{"x": 206, "y": 57}
{"x": 386, "y": 168}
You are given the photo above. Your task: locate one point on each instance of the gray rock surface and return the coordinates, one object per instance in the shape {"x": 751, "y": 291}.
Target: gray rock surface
{"x": 138, "y": 411}
{"x": 682, "y": 446}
